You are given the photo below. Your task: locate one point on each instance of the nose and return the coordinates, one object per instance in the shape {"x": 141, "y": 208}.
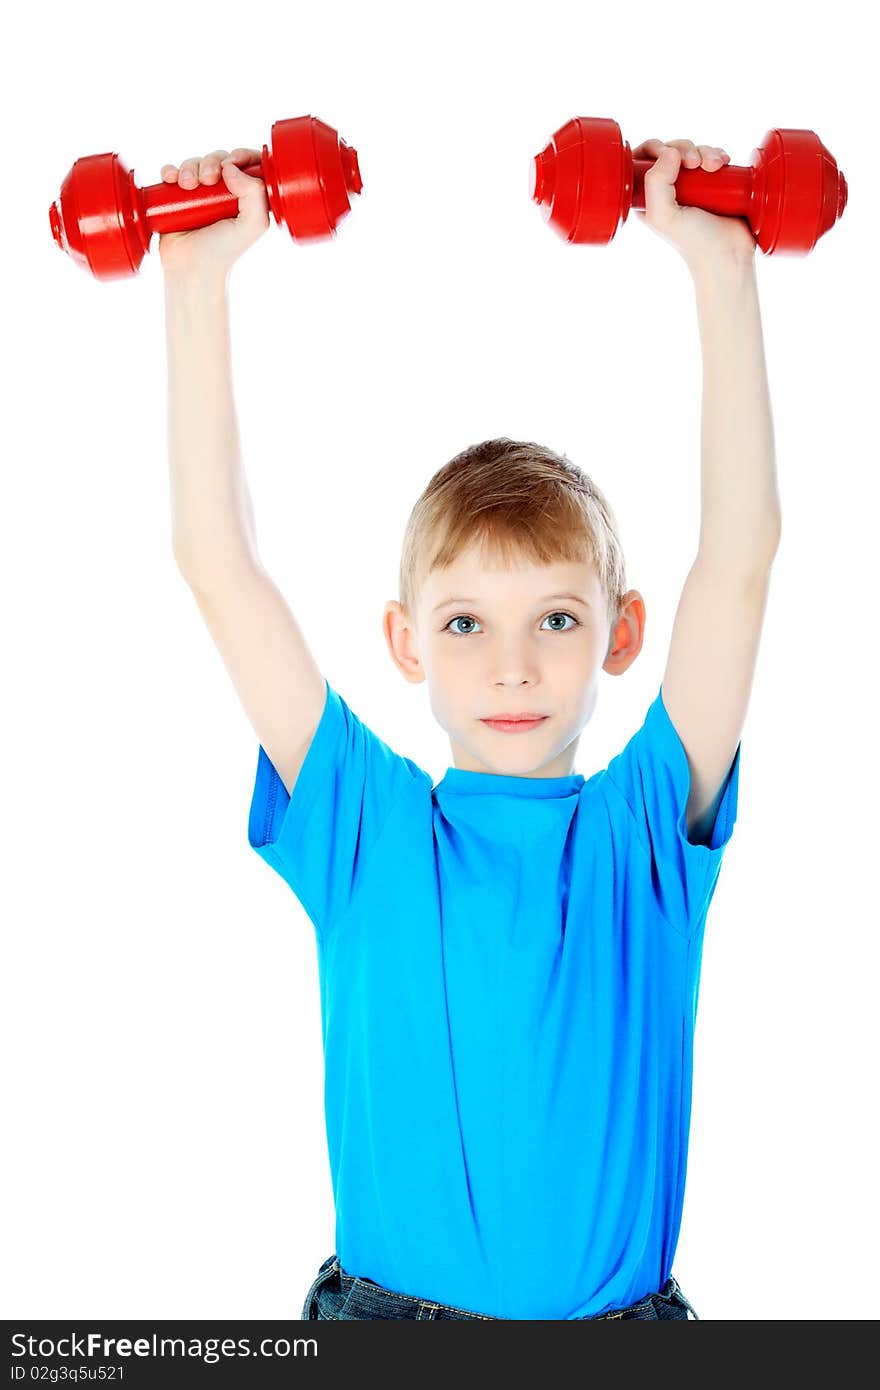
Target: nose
{"x": 517, "y": 678}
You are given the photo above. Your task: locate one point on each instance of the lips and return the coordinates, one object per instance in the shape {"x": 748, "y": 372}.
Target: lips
{"x": 519, "y": 725}
{"x": 513, "y": 718}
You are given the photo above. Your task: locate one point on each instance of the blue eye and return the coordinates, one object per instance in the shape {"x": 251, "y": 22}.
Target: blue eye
{"x": 461, "y": 617}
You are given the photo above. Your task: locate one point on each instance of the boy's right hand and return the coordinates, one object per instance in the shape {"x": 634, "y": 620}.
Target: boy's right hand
{"x": 217, "y": 246}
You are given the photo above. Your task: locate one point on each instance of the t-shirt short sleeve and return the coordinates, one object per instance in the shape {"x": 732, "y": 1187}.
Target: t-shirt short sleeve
{"x": 653, "y": 776}
{"x": 319, "y": 838}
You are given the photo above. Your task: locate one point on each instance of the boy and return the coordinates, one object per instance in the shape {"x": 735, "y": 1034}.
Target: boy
{"x": 510, "y": 960}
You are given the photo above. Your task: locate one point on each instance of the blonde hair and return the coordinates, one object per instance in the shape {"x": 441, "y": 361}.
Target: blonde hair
{"x": 514, "y": 499}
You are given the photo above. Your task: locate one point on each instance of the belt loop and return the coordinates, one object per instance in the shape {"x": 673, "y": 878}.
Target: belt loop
{"x": 676, "y": 1288}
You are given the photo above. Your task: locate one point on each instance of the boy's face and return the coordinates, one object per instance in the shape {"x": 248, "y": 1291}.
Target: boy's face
{"x": 508, "y": 644}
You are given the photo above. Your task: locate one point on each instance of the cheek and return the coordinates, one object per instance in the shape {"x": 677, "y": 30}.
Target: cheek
{"x": 448, "y": 671}
{"x": 445, "y": 653}
{"x": 445, "y": 702}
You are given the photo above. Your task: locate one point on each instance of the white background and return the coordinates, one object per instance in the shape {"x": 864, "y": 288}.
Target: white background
{"x": 163, "y": 1073}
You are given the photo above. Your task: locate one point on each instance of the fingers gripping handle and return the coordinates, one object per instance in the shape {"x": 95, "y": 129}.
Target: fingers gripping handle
{"x": 167, "y": 207}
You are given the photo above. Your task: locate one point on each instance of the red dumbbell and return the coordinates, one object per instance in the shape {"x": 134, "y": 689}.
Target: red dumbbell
{"x": 105, "y": 222}
{"x": 587, "y": 180}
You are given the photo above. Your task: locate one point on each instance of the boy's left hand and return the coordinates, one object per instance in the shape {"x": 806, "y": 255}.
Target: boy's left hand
{"x": 699, "y": 236}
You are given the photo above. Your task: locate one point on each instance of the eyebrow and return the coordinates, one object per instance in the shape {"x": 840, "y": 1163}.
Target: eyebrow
{"x": 574, "y": 598}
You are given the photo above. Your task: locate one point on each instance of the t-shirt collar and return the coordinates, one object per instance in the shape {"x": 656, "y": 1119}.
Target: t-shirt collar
{"x": 464, "y": 782}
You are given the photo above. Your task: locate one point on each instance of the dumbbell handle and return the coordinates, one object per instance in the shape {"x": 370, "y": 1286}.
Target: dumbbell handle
{"x": 728, "y": 191}
{"x": 169, "y": 208}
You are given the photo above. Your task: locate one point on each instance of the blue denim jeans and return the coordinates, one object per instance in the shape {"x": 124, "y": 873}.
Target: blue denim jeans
{"x": 338, "y": 1295}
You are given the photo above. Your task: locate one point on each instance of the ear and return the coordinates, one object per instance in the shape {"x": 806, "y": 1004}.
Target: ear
{"x": 627, "y": 635}
{"x": 402, "y": 643}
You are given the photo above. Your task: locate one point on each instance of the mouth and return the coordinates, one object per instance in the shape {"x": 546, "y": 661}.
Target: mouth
{"x": 518, "y": 725}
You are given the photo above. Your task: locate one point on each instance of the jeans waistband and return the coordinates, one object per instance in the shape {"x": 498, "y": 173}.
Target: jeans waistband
{"x": 336, "y": 1294}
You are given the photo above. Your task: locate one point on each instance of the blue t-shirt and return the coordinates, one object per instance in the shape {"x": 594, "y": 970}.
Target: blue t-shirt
{"x": 509, "y": 972}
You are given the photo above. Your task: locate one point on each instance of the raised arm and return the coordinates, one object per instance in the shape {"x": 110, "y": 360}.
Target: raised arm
{"x": 717, "y": 629}
{"x": 212, "y": 520}
{"x": 212, "y": 523}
